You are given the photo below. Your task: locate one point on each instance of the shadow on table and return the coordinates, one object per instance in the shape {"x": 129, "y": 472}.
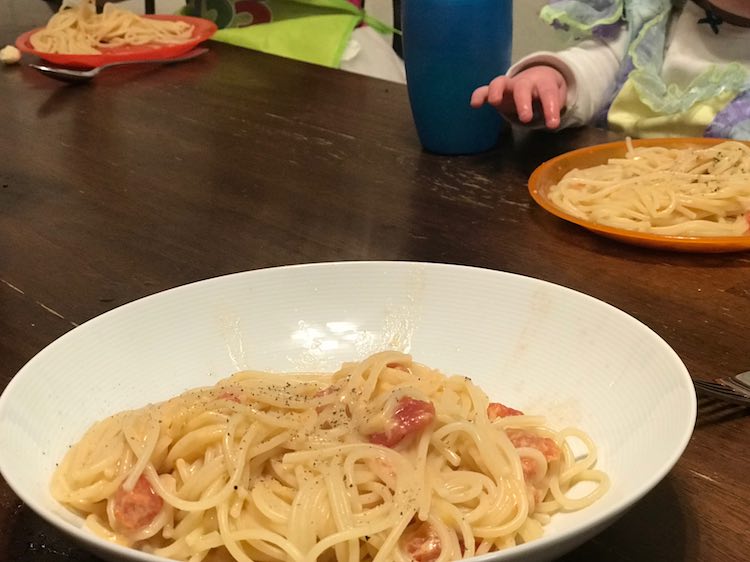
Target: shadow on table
{"x": 715, "y": 412}
{"x": 59, "y": 98}
{"x": 601, "y": 245}
{"x": 29, "y": 537}
{"x": 662, "y": 526}
{"x": 533, "y": 147}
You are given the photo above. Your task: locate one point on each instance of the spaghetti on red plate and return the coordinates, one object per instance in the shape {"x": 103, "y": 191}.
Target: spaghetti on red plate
{"x": 76, "y": 29}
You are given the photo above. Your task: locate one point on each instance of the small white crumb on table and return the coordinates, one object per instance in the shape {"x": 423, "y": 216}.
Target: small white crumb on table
{"x": 10, "y": 55}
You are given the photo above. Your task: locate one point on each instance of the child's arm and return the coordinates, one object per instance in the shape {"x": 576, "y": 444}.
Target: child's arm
{"x": 574, "y": 82}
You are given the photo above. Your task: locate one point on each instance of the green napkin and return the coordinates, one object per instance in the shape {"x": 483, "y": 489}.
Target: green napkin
{"x": 315, "y": 31}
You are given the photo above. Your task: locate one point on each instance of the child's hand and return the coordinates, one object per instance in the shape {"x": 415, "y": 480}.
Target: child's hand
{"x": 518, "y": 94}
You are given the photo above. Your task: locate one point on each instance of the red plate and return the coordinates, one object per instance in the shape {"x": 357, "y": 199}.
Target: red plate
{"x": 202, "y": 29}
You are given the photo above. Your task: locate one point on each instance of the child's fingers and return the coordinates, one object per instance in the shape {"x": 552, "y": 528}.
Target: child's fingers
{"x": 522, "y": 98}
{"x": 497, "y": 90}
{"x": 479, "y": 96}
{"x": 551, "y": 89}
{"x": 549, "y": 96}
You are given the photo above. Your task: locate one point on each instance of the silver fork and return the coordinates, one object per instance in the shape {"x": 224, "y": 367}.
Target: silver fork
{"x": 70, "y": 75}
{"x": 733, "y": 389}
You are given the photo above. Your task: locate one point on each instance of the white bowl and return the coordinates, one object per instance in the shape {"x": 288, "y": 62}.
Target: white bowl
{"x": 531, "y": 344}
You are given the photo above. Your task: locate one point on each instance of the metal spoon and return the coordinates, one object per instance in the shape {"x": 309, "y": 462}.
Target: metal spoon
{"x": 70, "y": 75}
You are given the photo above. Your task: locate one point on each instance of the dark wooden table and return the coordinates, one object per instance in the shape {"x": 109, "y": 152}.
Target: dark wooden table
{"x": 151, "y": 178}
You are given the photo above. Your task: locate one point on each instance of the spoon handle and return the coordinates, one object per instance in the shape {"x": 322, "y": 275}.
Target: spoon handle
{"x": 187, "y": 56}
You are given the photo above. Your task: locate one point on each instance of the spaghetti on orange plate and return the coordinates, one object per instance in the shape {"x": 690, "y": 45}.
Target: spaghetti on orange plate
{"x": 667, "y": 191}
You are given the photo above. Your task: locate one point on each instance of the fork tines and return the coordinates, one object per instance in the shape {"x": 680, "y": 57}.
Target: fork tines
{"x": 722, "y": 391}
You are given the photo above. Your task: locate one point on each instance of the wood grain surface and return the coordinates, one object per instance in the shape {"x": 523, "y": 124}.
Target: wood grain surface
{"x": 149, "y": 178}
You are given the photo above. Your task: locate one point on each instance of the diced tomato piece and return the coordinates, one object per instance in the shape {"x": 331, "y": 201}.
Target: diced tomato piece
{"x": 496, "y": 410}
{"x": 410, "y": 417}
{"x": 529, "y": 468}
{"x": 137, "y": 508}
{"x": 397, "y": 366}
{"x": 421, "y": 543}
{"x": 385, "y": 439}
{"x": 227, "y": 395}
{"x": 325, "y": 392}
{"x": 544, "y": 445}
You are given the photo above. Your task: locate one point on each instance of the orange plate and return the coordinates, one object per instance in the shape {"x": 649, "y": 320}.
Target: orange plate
{"x": 550, "y": 172}
{"x": 202, "y": 29}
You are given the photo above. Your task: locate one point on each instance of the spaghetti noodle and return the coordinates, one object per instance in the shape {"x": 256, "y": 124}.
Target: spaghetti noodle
{"x": 676, "y": 192}
{"x": 77, "y": 29}
{"x": 384, "y": 460}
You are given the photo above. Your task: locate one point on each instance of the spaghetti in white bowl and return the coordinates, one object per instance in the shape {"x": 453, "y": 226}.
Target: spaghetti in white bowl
{"x": 537, "y": 347}
{"x": 383, "y": 460}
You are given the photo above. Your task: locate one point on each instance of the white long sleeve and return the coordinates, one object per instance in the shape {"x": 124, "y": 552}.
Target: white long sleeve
{"x": 589, "y": 69}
